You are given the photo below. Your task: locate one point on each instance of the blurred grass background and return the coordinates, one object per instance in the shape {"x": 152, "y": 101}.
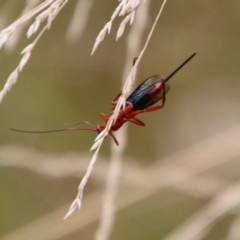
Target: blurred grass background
{"x": 193, "y": 143}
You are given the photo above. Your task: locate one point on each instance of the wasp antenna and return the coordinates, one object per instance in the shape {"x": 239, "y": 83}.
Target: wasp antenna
{"x": 88, "y": 123}
{"x": 53, "y": 131}
{"x": 177, "y": 69}
{"x": 74, "y": 124}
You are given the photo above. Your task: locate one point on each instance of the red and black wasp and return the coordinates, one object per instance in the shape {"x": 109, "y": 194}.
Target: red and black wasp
{"x": 139, "y": 101}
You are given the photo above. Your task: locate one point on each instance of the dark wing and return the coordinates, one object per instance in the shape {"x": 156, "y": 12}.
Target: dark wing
{"x": 142, "y": 96}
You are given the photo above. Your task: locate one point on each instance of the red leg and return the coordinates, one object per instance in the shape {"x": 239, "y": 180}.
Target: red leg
{"x": 114, "y": 101}
{"x": 149, "y": 109}
{"x": 114, "y": 138}
{"x": 124, "y": 112}
{"x": 104, "y": 117}
{"x": 136, "y": 121}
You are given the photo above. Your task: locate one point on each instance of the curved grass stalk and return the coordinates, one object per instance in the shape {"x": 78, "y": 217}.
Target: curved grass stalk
{"x": 121, "y": 103}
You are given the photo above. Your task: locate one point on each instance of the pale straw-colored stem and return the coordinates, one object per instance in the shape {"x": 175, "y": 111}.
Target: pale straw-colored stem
{"x": 116, "y": 161}
{"x": 30, "y": 14}
{"x": 79, "y": 20}
{"x": 121, "y": 103}
{"x": 199, "y": 224}
{"x": 77, "y": 203}
{"x": 13, "y": 40}
{"x": 27, "y": 51}
{"x": 234, "y": 229}
{"x": 125, "y": 8}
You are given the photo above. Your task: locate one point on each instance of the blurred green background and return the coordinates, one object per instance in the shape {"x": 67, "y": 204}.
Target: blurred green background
{"x": 174, "y": 169}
